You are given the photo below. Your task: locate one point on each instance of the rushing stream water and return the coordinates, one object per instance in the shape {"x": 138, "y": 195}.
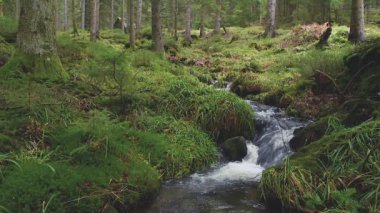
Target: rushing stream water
{"x": 232, "y": 186}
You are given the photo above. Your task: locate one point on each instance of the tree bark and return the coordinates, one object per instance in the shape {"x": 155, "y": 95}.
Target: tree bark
{"x": 218, "y": 17}
{"x": 188, "y": 22}
{"x": 270, "y": 30}
{"x": 18, "y": 8}
{"x": 357, "y": 33}
{"x": 158, "y": 44}
{"x": 89, "y": 9}
{"x": 1, "y": 8}
{"x": 83, "y": 15}
{"x": 171, "y": 17}
{"x": 139, "y": 16}
{"x": 131, "y": 23}
{"x": 123, "y": 15}
{"x": 94, "y": 34}
{"x": 202, "y": 30}
{"x": 74, "y": 21}
{"x": 112, "y": 13}
{"x": 36, "y": 40}
{"x": 176, "y": 19}
{"x": 65, "y": 16}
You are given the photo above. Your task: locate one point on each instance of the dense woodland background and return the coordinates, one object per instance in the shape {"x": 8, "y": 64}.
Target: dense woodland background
{"x": 103, "y": 100}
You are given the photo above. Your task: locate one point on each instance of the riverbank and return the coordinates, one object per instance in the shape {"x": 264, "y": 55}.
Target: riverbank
{"x": 335, "y": 167}
{"x": 125, "y": 121}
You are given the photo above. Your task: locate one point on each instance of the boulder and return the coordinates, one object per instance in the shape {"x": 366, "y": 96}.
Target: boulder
{"x": 234, "y": 149}
{"x": 309, "y": 134}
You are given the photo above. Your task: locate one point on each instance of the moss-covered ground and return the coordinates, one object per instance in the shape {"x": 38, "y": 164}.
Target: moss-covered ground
{"x": 128, "y": 119}
{"x": 125, "y": 121}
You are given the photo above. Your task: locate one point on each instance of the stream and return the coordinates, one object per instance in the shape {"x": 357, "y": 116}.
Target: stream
{"x": 232, "y": 186}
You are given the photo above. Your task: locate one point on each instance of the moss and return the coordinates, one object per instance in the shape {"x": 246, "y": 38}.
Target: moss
{"x": 359, "y": 111}
{"x": 46, "y": 68}
{"x": 175, "y": 147}
{"x": 8, "y": 29}
{"x": 221, "y": 114}
{"x": 235, "y": 149}
{"x": 309, "y": 134}
{"x": 225, "y": 116}
{"x": 6, "y": 52}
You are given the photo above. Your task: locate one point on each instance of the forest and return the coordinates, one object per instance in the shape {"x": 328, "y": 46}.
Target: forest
{"x": 140, "y": 106}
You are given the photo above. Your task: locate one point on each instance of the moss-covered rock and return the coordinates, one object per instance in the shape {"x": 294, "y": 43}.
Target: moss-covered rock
{"x": 309, "y": 134}
{"x": 247, "y": 85}
{"x": 234, "y": 149}
{"x": 359, "y": 111}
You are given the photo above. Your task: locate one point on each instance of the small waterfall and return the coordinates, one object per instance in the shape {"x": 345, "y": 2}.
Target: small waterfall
{"x": 247, "y": 170}
{"x": 232, "y": 186}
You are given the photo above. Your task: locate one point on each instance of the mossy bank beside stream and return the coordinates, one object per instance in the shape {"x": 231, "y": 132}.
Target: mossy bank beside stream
{"x": 105, "y": 139}
{"x": 336, "y": 165}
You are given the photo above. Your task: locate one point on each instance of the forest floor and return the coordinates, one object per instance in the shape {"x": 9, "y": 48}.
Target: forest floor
{"x": 129, "y": 119}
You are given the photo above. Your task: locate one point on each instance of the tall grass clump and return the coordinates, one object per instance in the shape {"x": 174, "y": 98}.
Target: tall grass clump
{"x": 329, "y": 63}
{"x": 345, "y": 180}
{"x": 176, "y": 147}
{"x": 221, "y": 114}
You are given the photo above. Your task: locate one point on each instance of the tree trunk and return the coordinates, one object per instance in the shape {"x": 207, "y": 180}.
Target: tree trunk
{"x": 73, "y": 14}
{"x": 188, "y": 22}
{"x": 171, "y": 17}
{"x": 94, "y": 34}
{"x": 18, "y": 8}
{"x": 131, "y": 23}
{"x": 112, "y": 13}
{"x": 270, "y": 30}
{"x": 36, "y": 39}
{"x": 357, "y": 22}
{"x": 123, "y": 15}
{"x": 202, "y": 30}
{"x": 139, "y": 16}
{"x": 83, "y": 15}
{"x": 1, "y": 8}
{"x": 89, "y": 9}
{"x": 176, "y": 19}
{"x": 65, "y": 16}
{"x": 218, "y": 17}
{"x": 158, "y": 44}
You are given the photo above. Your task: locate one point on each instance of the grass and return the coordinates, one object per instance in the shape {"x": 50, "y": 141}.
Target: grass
{"x": 344, "y": 179}
{"x": 129, "y": 119}
{"x": 126, "y": 120}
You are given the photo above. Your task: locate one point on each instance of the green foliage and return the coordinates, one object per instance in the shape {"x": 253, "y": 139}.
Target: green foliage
{"x": 6, "y": 52}
{"x": 7, "y": 25}
{"x": 184, "y": 148}
{"x": 92, "y": 164}
{"x": 350, "y": 162}
{"x": 221, "y": 114}
{"x": 330, "y": 63}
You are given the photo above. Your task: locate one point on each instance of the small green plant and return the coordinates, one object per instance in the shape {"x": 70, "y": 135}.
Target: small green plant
{"x": 8, "y": 25}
